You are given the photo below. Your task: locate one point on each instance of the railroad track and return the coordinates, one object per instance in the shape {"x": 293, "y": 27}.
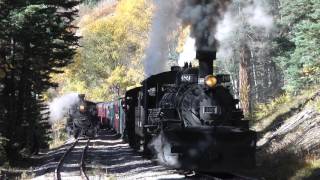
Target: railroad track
{"x": 57, "y": 175}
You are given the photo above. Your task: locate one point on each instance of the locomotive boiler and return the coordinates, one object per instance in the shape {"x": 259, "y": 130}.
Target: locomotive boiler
{"x": 195, "y": 116}
{"x": 82, "y": 118}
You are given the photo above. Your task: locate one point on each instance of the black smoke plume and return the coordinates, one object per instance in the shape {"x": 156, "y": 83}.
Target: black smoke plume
{"x": 203, "y": 17}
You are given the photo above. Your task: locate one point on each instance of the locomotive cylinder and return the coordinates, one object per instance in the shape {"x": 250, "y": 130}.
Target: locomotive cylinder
{"x": 206, "y": 59}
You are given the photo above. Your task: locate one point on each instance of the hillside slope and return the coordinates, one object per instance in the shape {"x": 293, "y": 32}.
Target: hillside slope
{"x": 289, "y": 139}
{"x": 299, "y": 133}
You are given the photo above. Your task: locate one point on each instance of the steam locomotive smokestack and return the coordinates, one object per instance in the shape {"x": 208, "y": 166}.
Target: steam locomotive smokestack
{"x": 206, "y": 58}
{"x": 203, "y": 17}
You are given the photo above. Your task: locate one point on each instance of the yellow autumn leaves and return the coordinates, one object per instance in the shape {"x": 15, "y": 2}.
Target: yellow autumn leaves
{"x": 109, "y": 60}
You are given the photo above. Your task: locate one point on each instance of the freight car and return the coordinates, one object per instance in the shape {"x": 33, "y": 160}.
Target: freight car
{"x": 194, "y": 116}
{"x": 82, "y": 118}
{"x": 112, "y": 115}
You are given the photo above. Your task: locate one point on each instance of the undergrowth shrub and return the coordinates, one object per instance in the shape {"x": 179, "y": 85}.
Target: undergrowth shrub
{"x": 317, "y": 104}
{"x": 310, "y": 171}
{"x": 263, "y": 110}
{"x": 59, "y": 134}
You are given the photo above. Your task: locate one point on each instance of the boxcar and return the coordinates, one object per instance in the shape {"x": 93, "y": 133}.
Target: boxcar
{"x": 112, "y": 115}
{"x": 102, "y": 114}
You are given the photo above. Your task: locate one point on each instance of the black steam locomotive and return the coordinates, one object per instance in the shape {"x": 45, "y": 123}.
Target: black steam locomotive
{"x": 82, "y": 119}
{"x": 195, "y": 117}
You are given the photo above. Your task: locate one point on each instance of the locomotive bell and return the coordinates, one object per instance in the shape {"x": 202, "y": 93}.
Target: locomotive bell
{"x": 206, "y": 58}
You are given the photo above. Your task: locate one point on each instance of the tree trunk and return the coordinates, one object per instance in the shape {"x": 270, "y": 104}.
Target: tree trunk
{"x": 244, "y": 81}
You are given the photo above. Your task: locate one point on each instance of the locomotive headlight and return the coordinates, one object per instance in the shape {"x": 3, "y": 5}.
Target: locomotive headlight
{"x": 211, "y": 81}
{"x": 81, "y": 108}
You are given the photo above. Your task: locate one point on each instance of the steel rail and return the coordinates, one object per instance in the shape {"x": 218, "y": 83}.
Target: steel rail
{"x": 57, "y": 175}
{"x": 82, "y": 164}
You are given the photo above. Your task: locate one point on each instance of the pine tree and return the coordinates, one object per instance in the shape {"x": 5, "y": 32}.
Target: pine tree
{"x": 244, "y": 80}
{"x": 298, "y": 46}
{"x": 247, "y": 55}
{"x": 38, "y": 39}
{"x": 3, "y": 72}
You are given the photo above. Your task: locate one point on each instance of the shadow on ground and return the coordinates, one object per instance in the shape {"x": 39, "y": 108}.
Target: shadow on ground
{"x": 107, "y": 155}
{"x": 111, "y": 155}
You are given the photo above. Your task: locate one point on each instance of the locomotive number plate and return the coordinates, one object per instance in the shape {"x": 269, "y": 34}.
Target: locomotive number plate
{"x": 211, "y": 109}
{"x": 185, "y": 78}
{"x": 189, "y": 78}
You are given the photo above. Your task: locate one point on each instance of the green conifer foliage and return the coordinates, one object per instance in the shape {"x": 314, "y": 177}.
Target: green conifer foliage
{"x": 299, "y": 52}
{"x": 37, "y": 38}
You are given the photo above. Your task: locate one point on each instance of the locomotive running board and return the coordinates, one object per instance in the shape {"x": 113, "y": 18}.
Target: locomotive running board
{"x": 213, "y": 149}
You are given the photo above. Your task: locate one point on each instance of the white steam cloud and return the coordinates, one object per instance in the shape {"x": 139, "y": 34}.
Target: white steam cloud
{"x": 60, "y": 106}
{"x": 258, "y": 17}
{"x": 233, "y": 29}
{"x": 201, "y": 16}
{"x": 163, "y": 24}
{"x": 214, "y": 25}
{"x": 163, "y": 151}
{"x": 189, "y": 51}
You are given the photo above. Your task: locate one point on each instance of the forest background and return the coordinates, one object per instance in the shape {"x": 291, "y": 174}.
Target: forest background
{"x": 282, "y": 58}
{"x": 268, "y": 63}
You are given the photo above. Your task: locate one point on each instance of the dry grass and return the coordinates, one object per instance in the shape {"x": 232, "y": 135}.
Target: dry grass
{"x": 264, "y": 110}
{"x": 318, "y": 105}
{"x": 26, "y": 176}
{"x": 16, "y": 174}
{"x": 99, "y": 173}
{"x": 59, "y": 135}
{"x": 310, "y": 171}
{"x": 315, "y": 104}
{"x": 285, "y": 163}
{"x": 281, "y": 107}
